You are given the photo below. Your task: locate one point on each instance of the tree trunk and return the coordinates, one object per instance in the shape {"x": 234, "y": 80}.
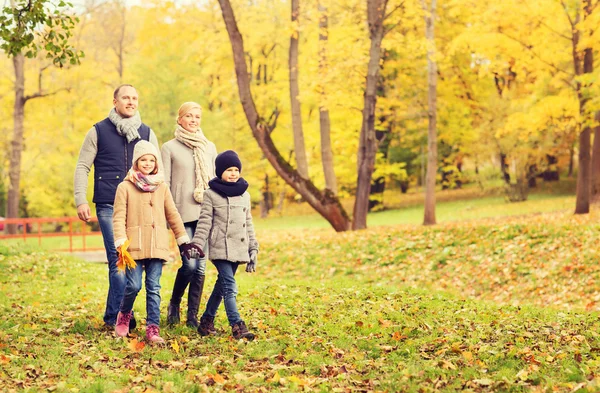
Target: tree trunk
{"x": 324, "y": 122}
{"x": 301, "y": 160}
{"x": 367, "y": 147}
{"x": 325, "y": 203}
{"x": 378, "y": 184}
{"x": 582, "y": 203}
{"x": 596, "y": 161}
{"x": 14, "y": 173}
{"x": 429, "y": 216}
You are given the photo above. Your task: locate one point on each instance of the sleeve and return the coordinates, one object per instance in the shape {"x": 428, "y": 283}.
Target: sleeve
{"x": 87, "y": 155}
{"x": 174, "y": 219}
{"x": 252, "y": 242}
{"x": 205, "y": 221}
{"x": 120, "y": 216}
{"x": 166, "y": 160}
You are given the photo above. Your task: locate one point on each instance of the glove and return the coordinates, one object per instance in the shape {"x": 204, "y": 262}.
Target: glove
{"x": 125, "y": 260}
{"x": 251, "y": 266}
{"x": 190, "y": 251}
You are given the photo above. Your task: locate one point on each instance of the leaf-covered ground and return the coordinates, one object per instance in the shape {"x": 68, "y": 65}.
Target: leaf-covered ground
{"x": 481, "y": 306}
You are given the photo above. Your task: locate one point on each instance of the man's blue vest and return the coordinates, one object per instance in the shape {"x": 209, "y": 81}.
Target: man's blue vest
{"x": 113, "y": 159}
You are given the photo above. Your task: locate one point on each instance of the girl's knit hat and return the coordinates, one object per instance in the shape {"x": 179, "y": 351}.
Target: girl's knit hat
{"x": 142, "y": 148}
{"x": 225, "y": 160}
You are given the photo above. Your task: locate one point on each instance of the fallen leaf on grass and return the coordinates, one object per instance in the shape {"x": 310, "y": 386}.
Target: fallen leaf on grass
{"x": 175, "y": 346}
{"x": 135, "y": 345}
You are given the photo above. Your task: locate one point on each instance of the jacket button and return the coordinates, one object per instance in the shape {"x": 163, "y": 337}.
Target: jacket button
{"x": 244, "y": 210}
{"x": 152, "y": 225}
{"x": 150, "y": 202}
{"x": 242, "y": 240}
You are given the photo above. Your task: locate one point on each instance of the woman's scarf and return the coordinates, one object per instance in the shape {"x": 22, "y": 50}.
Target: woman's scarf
{"x": 145, "y": 183}
{"x": 126, "y": 126}
{"x": 197, "y": 142}
{"x": 229, "y": 189}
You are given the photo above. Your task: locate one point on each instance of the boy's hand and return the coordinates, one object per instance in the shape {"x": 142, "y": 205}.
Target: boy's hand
{"x": 190, "y": 251}
{"x": 251, "y": 266}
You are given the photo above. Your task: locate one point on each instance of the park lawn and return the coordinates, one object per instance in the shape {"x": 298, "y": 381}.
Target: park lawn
{"x": 486, "y": 305}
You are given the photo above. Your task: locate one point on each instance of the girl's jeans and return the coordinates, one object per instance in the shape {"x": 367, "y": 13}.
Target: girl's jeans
{"x": 153, "y": 269}
{"x": 116, "y": 279}
{"x": 225, "y": 289}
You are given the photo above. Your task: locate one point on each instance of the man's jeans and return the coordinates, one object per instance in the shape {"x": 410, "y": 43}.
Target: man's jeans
{"x": 116, "y": 279}
{"x": 153, "y": 269}
{"x": 225, "y": 289}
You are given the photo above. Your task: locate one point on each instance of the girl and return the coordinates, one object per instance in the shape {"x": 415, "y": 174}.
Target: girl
{"x": 189, "y": 164}
{"x": 143, "y": 206}
{"x": 226, "y": 222}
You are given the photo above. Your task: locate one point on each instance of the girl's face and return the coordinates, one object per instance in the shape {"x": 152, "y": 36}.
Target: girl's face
{"x": 191, "y": 120}
{"x": 146, "y": 164}
{"x": 231, "y": 174}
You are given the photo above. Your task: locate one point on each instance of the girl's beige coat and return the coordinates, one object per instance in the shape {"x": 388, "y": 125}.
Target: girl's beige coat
{"x": 142, "y": 218}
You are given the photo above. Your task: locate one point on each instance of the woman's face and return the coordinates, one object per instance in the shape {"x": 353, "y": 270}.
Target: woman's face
{"x": 191, "y": 120}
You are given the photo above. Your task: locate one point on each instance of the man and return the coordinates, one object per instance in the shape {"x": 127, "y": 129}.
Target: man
{"x": 109, "y": 145}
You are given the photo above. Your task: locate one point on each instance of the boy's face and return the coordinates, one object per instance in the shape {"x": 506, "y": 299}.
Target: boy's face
{"x": 146, "y": 164}
{"x": 231, "y": 174}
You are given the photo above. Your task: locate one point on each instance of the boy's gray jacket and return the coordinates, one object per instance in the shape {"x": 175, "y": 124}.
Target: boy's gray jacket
{"x": 227, "y": 224}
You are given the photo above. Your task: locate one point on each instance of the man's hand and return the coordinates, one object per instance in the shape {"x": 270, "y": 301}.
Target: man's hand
{"x": 251, "y": 266}
{"x": 190, "y": 251}
{"x": 83, "y": 212}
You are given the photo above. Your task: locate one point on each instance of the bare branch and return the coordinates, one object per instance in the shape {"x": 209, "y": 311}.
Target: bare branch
{"x": 40, "y": 94}
{"x": 537, "y": 56}
{"x": 571, "y": 22}
{"x": 272, "y": 122}
{"x": 392, "y": 11}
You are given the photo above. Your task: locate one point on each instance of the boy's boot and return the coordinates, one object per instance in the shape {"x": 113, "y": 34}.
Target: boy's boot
{"x": 122, "y": 326}
{"x": 181, "y": 282}
{"x": 239, "y": 330}
{"x": 153, "y": 336}
{"x": 207, "y": 326}
{"x": 194, "y": 298}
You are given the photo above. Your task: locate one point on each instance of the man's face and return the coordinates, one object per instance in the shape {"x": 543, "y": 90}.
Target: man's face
{"x": 126, "y": 102}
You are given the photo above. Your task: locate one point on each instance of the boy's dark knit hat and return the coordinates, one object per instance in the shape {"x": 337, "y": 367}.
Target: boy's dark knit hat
{"x": 225, "y": 160}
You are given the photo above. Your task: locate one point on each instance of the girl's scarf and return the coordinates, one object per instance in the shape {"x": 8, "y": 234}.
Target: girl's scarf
{"x": 228, "y": 189}
{"x": 126, "y": 126}
{"x": 197, "y": 142}
{"x": 145, "y": 183}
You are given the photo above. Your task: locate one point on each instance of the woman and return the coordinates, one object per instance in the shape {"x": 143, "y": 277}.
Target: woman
{"x": 189, "y": 162}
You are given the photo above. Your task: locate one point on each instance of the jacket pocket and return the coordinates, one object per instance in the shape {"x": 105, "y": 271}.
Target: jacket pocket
{"x": 134, "y": 234}
{"x": 162, "y": 238}
{"x": 177, "y": 197}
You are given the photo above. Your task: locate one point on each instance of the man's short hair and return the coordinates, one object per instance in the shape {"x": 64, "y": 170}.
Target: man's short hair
{"x": 116, "y": 93}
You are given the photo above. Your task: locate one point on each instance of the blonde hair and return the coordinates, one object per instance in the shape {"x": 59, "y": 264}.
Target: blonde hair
{"x": 186, "y": 107}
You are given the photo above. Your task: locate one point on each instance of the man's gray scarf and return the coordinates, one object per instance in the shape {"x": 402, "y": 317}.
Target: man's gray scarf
{"x": 126, "y": 126}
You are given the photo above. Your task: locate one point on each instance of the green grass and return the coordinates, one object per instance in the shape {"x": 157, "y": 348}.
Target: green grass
{"x": 502, "y": 305}
{"x": 448, "y": 211}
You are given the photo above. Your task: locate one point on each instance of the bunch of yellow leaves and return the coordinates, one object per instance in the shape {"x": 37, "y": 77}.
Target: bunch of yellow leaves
{"x": 125, "y": 259}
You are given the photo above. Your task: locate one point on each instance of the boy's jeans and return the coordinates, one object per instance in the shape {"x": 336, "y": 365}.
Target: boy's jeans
{"x": 116, "y": 279}
{"x": 225, "y": 289}
{"x": 153, "y": 269}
